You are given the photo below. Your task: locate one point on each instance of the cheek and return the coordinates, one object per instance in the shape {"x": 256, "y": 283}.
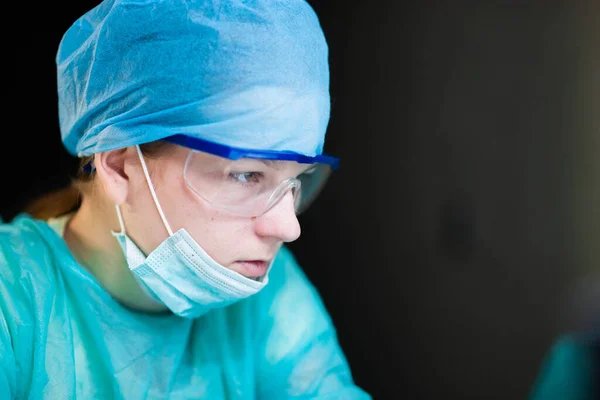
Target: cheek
{"x": 222, "y": 235}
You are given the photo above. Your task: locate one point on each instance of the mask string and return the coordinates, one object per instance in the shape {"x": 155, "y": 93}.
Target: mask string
{"x": 160, "y": 211}
{"x": 120, "y": 220}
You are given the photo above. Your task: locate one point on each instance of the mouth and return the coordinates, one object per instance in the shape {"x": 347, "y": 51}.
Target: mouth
{"x": 252, "y": 268}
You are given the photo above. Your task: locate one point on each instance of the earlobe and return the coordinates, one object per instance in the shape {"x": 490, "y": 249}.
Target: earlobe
{"x": 110, "y": 170}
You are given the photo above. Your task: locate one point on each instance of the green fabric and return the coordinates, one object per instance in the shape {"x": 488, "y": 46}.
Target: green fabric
{"x": 569, "y": 371}
{"x": 62, "y": 336}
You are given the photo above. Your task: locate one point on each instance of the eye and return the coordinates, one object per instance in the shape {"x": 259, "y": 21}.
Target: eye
{"x": 246, "y": 177}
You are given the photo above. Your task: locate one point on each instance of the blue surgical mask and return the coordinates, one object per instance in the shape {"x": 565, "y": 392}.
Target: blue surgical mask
{"x": 180, "y": 274}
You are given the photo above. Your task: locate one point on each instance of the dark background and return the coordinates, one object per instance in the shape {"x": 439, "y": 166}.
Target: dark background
{"x": 451, "y": 246}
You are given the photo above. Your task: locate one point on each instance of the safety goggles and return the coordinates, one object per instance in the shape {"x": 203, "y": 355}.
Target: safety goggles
{"x": 250, "y": 182}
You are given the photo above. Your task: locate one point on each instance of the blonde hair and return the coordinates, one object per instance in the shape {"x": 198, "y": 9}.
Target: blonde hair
{"x": 68, "y": 199}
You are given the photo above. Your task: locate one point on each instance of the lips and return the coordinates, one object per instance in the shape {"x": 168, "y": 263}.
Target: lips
{"x": 252, "y": 268}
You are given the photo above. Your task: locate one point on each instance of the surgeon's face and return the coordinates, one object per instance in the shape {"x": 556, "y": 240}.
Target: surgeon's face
{"x": 241, "y": 243}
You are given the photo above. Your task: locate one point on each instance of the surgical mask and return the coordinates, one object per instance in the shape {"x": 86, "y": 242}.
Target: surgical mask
{"x": 180, "y": 274}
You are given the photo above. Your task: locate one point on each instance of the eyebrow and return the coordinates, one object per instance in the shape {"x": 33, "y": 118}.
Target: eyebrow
{"x": 276, "y": 164}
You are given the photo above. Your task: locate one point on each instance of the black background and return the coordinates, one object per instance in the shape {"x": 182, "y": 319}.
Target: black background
{"x": 449, "y": 246}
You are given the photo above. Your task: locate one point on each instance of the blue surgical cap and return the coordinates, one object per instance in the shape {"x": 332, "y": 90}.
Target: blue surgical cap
{"x": 251, "y": 74}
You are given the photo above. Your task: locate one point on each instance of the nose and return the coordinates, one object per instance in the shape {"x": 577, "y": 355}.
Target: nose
{"x": 280, "y": 221}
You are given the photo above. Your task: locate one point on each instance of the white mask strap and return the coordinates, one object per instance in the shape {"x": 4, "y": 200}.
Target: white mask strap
{"x": 120, "y": 220}
{"x": 160, "y": 211}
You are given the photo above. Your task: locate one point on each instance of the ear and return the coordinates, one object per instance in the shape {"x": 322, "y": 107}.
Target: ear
{"x": 110, "y": 169}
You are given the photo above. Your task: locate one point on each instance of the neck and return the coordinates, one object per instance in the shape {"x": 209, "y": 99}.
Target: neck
{"x": 88, "y": 236}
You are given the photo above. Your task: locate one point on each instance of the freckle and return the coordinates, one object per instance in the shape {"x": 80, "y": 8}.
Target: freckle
{"x": 253, "y": 218}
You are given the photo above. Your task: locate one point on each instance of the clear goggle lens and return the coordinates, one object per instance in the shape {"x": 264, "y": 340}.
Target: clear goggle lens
{"x": 250, "y": 186}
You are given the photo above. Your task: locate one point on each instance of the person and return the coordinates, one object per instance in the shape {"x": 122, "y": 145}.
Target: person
{"x": 570, "y": 368}
{"x": 200, "y": 126}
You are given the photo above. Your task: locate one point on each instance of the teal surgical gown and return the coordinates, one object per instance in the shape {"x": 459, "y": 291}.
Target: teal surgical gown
{"x": 62, "y": 336}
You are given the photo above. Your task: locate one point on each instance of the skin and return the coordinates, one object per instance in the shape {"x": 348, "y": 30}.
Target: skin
{"x": 226, "y": 237}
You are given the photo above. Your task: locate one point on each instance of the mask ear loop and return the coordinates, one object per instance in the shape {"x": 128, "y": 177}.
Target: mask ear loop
{"x": 120, "y": 220}
{"x": 160, "y": 211}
